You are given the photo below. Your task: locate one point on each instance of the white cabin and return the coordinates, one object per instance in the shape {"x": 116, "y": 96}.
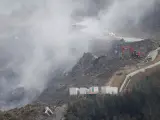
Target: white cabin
{"x": 93, "y": 90}
{"x": 109, "y": 90}
{"x": 83, "y": 91}
{"x": 73, "y": 91}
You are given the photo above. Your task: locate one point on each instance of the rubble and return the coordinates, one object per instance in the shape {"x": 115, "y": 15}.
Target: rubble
{"x": 83, "y": 64}
{"x": 88, "y": 64}
{"x": 48, "y": 111}
{"x": 37, "y": 111}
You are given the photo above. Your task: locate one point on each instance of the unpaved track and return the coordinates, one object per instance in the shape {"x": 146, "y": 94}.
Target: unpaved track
{"x": 127, "y": 80}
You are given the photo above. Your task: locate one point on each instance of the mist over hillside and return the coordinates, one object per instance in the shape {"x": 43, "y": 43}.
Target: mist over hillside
{"x": 37, "y": 37}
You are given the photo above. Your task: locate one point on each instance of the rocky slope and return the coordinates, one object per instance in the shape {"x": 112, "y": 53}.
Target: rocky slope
{"x": 92, "y": 69}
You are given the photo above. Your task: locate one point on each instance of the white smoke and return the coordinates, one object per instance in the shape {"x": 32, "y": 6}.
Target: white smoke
{"x": 125, "y": 12}
{"x": 44, "y": 46}
{"x": 37, "y": 37}
{"x": 120, "y": 16}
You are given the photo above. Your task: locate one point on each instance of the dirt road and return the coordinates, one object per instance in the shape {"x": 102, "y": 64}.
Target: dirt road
{"x": 127, "y": 80}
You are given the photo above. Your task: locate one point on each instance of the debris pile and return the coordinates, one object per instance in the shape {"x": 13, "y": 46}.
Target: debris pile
{"x": 91, "y": 65}
{"x": 84, "y": 63}
{"x": 94, "y": 69}
{"x": 34, "y": 112}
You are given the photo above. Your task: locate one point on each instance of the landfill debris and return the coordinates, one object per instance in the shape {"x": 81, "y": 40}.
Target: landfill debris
{"x": 48, "y": 111}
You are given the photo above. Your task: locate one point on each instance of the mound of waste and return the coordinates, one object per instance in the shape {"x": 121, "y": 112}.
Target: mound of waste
{"x": 93, "y": 68}
{"x": 91, "y": 64}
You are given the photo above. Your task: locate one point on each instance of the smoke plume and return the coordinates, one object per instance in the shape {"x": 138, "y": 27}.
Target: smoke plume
{"x": 123, "y": 17}
{"x": 37, "y": 38}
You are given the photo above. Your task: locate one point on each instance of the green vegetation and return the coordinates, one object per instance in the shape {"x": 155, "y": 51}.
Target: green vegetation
{"x": 143, "y": 103}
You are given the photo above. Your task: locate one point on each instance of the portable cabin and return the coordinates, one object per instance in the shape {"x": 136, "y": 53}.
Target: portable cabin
{"x": 73, "y": 91}
{"x": 83, "y": 91}
{"x": 109, "y": 90}
{"x": 93, "y": 90}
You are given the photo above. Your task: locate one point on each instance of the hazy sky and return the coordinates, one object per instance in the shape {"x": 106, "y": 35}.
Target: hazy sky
{"x": 7, "y": 6}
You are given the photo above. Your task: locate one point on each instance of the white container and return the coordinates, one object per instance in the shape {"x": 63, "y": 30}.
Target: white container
{"x": 109, "y": 90}
{"x": 83, "y": 91}
{"x": 93, "y": 90}
{"x": 73, "y": 91}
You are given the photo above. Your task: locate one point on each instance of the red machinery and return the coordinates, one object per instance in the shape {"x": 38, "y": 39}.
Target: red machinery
{"x": 127, "y": 48}
{"x": 132, "y": 51}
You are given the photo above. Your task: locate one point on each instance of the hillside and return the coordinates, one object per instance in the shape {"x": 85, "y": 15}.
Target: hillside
{"x": 140, "y": 104}
{"x": 34, "y": 44}
{"x": 92, "y": 69}
{"x": 151, "y": 74}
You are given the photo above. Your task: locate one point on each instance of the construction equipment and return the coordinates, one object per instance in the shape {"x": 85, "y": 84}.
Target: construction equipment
{"x": 131, "y": 52}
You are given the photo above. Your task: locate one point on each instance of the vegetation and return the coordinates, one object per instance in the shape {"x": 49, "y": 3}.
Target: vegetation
{"x": 142, "y": 103}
